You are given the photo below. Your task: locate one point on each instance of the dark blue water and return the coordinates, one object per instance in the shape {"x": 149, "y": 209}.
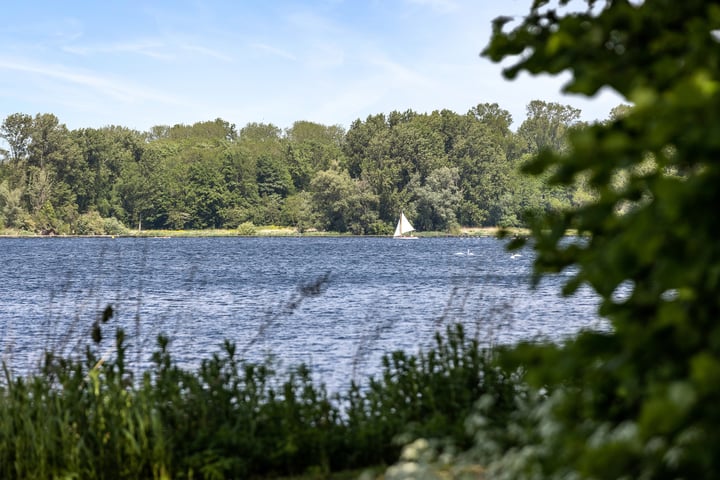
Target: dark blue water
{"x": 379, "y": 295}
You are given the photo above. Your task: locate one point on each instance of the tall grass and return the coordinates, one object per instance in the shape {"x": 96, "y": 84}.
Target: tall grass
{"x": 94, "y": 417}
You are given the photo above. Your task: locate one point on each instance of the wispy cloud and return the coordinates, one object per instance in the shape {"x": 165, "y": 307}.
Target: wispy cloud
{"x": 398, "y": 74}
{"x": 116, "y": 89}
{"x": 278, "y": 52}
{"x": 156, "y": 49}
{"x": 149, "y": 48}
{"x": 444, "y": 6}
{"x": 324, "y": 55}
{"x": 308, "y": 21}
{"x": 207, "y": 52}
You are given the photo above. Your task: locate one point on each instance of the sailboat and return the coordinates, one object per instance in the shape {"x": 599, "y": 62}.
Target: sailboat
{"x": 404, "y": 226}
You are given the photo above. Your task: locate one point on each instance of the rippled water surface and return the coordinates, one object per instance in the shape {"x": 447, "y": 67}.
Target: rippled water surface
{"x": 380, "y": 295}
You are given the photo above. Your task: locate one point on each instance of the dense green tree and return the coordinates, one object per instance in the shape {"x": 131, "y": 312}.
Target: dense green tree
{"x": 343, "y": 203}
{"x": 640, "y": 400}
{"x": 104, "y": 151}
{"x": 47, "y": 140}
{"x": 311, "y": 148}
{"x": 150, "y": 188}
{"x": 273, "y": 176}
{"x": 264, "y": 144}
{"x": 449, "y": 125}
{"x": 358, "y": 139}
{"x": 546, "y": 125}
{"x": 11, "y": 210}
{"x": 207, "y": 196}
{"x": 261, "y": 134}
{"x": 298, "y": 211}
{"x": 240, "y": 171}
{"x": 409, "y": 147}
{"x": 490, "y": 114}
{"x": 40, "y": 184}
{"x": 485, "y": 173}
{"x": 16, "y": 130}
{"x": 438, "y": 200}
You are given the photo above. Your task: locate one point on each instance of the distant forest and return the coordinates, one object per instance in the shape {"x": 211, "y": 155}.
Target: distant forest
{"x": 442, "y": 169}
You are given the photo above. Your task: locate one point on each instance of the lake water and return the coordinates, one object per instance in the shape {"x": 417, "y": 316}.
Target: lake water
{"x": 374, "y": 295}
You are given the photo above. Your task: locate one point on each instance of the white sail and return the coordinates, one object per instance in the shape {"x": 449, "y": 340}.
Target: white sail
{"x": 403, "y": 226}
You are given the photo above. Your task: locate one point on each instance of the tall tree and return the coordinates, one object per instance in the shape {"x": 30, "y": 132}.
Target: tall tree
{"x": 240, "y": 170}
{"x": 11, "y": 209}
{"x": 264, "y": 144}
{"x": 343, "y": 203}
{"x": 48, "y": 138}
{"x": 438, "y": 200}
{"x": 547, "y": 124}
{"x": 490, "y": 114}
{"x": 16, "y": 130}
{"x": 207, "y": 195}
{"x": 358, "y": 140}
{"x": 311, "y": 148}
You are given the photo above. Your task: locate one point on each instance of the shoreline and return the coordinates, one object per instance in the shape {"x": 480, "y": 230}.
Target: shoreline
{"x": 271, "y": 232}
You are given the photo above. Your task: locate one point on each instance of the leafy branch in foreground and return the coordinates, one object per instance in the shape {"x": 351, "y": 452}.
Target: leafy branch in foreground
{"x": 640, "y": 401}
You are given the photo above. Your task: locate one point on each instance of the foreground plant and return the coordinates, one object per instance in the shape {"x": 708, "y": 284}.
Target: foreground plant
{"x": 93, "y": 417}
{"x": 640, "y": 401}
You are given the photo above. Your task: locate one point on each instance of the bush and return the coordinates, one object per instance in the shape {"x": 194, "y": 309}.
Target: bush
{"x": 90, "y": 223}
{"x": 246, "y": 229}
{"x": 113, "y": 226}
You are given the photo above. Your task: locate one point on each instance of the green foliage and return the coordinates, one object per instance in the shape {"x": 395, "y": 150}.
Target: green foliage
{"x": 94, "y": 417}
{"x": 298, "y": 211}
{"x": 113, "y": 226}
{"x": 427, "y": 396}
{"x": 640, "y": 401}
{"x": 11, "y": 210}
{"x": 92, "y": 223}
{"x": 346, "y": 204}
{"x": 209, "y": 175}
{"x": 246, "y": 228}
{"x": 438, "y": 199}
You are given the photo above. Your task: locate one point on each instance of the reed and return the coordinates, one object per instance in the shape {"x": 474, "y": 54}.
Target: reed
{"x": 94, "y": 417}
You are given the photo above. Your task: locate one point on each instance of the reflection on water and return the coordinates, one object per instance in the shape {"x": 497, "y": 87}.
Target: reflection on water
{"x": 380, "y": 295}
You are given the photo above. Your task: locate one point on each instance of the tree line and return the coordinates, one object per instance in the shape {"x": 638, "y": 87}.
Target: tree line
{"x": 442, "y": 169}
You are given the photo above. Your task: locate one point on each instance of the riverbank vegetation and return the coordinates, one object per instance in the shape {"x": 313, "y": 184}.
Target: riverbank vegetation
{"x": 93, "y": 416}
{"x": 443, "y": 169}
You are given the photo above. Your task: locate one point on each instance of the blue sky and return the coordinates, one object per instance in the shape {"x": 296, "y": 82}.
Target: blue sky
{"x": 144, "y": 63}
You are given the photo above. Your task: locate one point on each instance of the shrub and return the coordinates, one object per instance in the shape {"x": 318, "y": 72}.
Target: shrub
{"x": 90, "y": 223}
{"x": 113, "y": 226}
{"x": 247, "y": 229}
